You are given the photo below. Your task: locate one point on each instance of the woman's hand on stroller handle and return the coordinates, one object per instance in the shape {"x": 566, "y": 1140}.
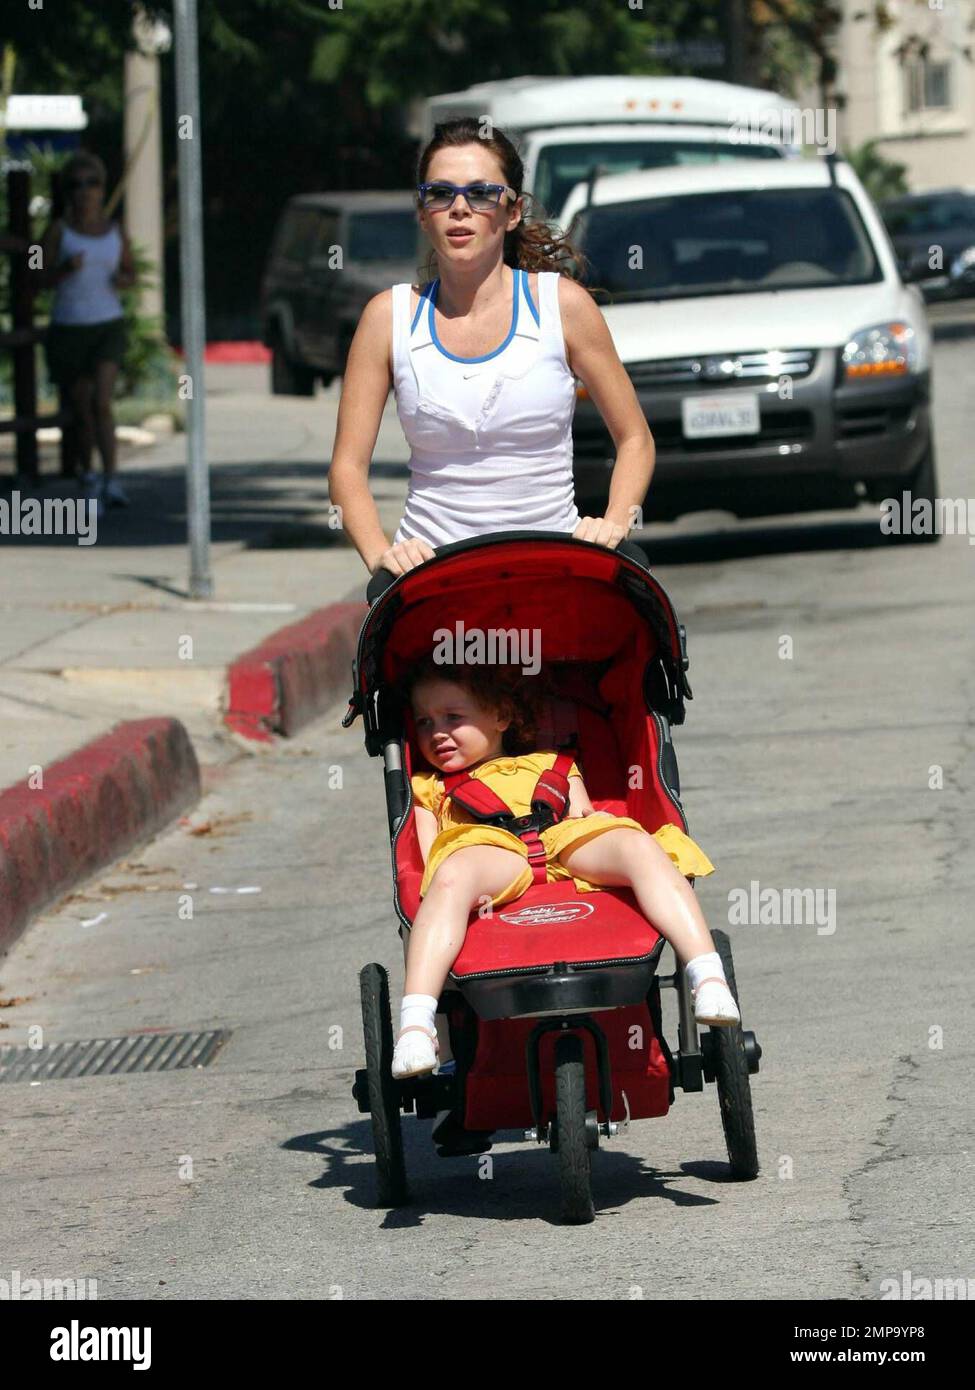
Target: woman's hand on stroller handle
{"x": 404, "y": 556}
{"x": 600, "y": 531}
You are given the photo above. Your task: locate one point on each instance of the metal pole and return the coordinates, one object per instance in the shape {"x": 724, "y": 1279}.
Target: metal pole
{"x": 191, "y": 296}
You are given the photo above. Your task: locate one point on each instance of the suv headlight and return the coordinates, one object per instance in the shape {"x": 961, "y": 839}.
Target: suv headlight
{"x": 964, "y": 263}
{"x": 885, "y": 350}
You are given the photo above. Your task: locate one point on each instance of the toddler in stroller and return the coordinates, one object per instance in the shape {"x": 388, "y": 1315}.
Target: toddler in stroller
{"x": 475, "y": 727}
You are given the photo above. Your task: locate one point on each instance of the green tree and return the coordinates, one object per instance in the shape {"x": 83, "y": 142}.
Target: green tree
{"x": 881, "y": 177}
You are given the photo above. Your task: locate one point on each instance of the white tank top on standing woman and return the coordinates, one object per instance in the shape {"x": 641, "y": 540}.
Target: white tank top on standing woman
{"x": 88, "y": 295}
{"x": 490, "y": 437}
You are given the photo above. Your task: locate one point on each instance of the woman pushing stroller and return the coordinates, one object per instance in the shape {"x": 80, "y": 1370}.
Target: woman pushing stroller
{"x": 483, "y": 360}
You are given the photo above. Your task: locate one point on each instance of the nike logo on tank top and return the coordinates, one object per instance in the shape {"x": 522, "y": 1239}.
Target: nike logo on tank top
{"x": 491, "y": 436}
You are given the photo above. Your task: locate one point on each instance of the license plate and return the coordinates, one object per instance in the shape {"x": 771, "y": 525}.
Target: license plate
{"x": 728, "y": 412}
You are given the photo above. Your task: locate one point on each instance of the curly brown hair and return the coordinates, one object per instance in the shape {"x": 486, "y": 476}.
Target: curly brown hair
{"x": 501, "y": 690}
{"x": 531, "y": 245}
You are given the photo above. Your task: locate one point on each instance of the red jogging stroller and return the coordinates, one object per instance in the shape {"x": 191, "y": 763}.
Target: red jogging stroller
{"x": 554, "y": 1001}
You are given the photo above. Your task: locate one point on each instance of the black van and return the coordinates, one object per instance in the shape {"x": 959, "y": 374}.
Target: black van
{"x": 330, "y": 254}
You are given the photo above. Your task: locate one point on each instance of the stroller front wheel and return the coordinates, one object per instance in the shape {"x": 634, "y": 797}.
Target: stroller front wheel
{"x": 574, "y": 1131}
{"x": 730, "y": 1063}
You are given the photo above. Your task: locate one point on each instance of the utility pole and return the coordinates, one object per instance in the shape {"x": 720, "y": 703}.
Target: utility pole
{"x": 143, "y": 151}
{"x": 193, "y": 315}
{"x": 734, "y": 24}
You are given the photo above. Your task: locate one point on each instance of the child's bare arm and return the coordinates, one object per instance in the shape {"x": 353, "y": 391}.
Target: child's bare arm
{"x": 579, "y": 803}
{"x": 426, "y": 829}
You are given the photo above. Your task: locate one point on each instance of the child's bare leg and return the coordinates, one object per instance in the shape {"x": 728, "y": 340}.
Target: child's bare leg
{"x": 632, "y": 858}
{"x": 628, "y": 858}
{"x": 440, "y": 925}
{"x": 462, "y": 881}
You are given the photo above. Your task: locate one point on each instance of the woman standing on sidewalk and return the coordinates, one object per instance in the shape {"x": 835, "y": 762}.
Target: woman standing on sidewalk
{"x": 88, "y": 259}
{"x": 482, "y": 361}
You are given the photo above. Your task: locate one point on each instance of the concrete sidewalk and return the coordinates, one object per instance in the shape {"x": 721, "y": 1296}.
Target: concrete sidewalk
{"x": 93, "y": 635}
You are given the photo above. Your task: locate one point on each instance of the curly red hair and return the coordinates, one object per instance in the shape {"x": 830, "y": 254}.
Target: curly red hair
{"x": 501, "y": 690}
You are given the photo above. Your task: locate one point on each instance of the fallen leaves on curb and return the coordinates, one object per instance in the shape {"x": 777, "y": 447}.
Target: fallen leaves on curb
{"x": 216, "y": 825}
{"x": 15, "y": 999}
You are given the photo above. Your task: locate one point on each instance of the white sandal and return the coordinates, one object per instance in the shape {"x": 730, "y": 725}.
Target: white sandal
{"x": 715, "y": 1004}
{"x": 415, "y": 1056}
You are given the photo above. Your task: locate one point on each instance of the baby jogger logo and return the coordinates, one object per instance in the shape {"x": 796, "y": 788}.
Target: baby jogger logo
{"x": 544, "y": 916}
{"x": 492, "y": 646}
{"x": 77, "y": 1343}
{"x": 54, "y": 516}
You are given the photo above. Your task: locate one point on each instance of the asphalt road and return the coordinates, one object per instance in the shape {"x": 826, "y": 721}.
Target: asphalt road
{"x": 253, "y": 1177}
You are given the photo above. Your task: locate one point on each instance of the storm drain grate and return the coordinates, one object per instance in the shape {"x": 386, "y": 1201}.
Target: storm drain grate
{"x": 110, "y": 1056}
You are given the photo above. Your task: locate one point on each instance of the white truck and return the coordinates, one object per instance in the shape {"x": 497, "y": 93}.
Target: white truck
{"x": 567, "y": 127}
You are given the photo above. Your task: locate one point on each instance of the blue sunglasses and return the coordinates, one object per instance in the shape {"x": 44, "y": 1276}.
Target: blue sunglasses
{"x": 481, "y": 197}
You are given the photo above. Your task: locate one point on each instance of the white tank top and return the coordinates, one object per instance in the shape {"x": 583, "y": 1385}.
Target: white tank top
{"x": 88, "y": 295}
{"x": 490, "y": 437}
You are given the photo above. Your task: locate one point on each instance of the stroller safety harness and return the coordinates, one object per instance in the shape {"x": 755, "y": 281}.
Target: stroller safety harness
{"x": 550, "y": 802}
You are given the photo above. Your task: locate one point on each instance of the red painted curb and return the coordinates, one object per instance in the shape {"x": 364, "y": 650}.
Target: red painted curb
{"x": 295, "y": 674}
{"x": 109, "y": 795}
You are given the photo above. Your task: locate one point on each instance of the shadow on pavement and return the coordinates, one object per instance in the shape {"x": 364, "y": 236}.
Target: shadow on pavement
{"x": 263, "y": 505}
{"x": 745, "y": 542}
{"x": 524, "y": 1183}
{"x": 278, "y": 505}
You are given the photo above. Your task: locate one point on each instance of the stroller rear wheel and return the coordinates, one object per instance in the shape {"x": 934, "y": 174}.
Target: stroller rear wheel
{"x": 730, "y": 1063}
{"x": 574, "y": 1131}
{"x": 377, "y": 1028}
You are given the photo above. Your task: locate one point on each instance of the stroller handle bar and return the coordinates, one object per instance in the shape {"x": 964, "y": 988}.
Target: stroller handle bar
{"x": 383, "y": 578}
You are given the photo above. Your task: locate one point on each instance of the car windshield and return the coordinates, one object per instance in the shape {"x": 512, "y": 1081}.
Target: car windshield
{"x": 382, "y": 236}
{"x": 561, "y": 167}
{"x": 917, "y": 216}
{"x": 738, "y": 242}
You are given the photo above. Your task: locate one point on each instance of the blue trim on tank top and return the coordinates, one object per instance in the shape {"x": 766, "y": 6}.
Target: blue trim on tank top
{"x": 528, "y": 296}
{"x": 419, "y": 307}
{"x": 488, "y": 355}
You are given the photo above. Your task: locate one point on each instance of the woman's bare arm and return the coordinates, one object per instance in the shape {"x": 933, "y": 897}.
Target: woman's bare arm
{"x": 592, "y": 357}
{"x": 365, "y": 387}
{"x": 49, "y": 273}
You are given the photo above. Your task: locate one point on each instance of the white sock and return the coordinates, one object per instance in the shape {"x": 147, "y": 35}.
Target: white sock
{"x": 698, "y": 969}
{"x": 418, "y": 1009}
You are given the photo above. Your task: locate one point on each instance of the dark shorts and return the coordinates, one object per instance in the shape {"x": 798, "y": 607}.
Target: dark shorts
{"x": 74, "y": 349}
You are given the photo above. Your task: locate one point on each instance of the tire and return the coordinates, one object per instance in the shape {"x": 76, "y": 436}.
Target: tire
{"x": 731, "y": 1074}
{"x": 289, "y": 378}
{"x": 921, "y": 484}
{"x": 572, "y": 1132}
{"x": 377, "y": 1029}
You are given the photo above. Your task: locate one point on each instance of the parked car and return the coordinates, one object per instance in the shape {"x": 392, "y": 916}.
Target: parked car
{"x": 935, "y": 227}
{"x": 782, "y": 363}
{"x": 330, "y": 254}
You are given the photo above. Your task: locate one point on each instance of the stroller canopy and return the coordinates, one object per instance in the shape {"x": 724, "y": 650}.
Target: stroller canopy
{"x": 587, "y": 604}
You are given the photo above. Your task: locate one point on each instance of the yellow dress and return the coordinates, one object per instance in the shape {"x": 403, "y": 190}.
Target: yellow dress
{"x": 513, "y": 779}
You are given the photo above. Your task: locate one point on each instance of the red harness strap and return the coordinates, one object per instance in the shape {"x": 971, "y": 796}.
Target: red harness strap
{"x": 550, "y": 802}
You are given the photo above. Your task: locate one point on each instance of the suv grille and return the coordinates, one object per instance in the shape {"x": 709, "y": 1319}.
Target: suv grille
{"x": 722, "y": 369}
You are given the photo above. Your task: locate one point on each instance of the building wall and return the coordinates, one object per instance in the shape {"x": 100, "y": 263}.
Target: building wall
{"x": 936, "y": 145}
